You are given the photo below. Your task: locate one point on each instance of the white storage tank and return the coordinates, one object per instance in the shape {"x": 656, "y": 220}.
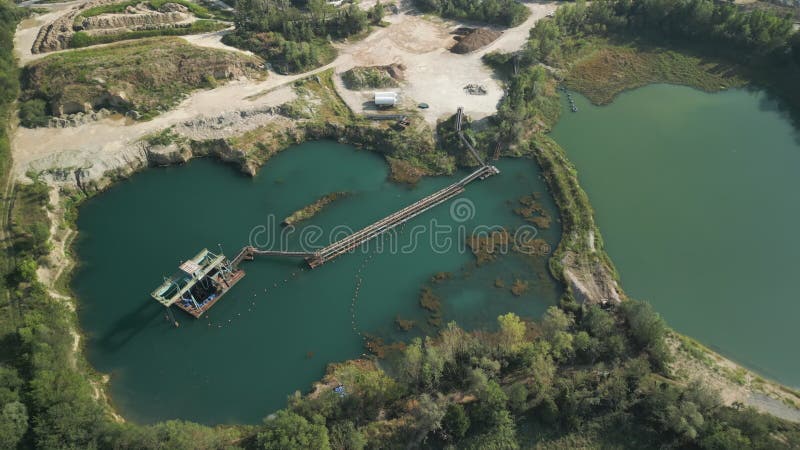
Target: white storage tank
{"x": 385, "y": 98}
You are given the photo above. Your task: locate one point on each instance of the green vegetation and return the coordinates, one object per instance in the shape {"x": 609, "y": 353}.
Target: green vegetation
{"x": 368, "y": 78}
{"x": 313, "y": 209}
{"x": 573, "y": 377}
{"x": 295, "y": 36}
{"x": 9, "y": 85}
{"x": 285, "y": 56}
{"x": 33, "y": 113}
{"x": 610, "y": 45}
{"x": 164, "y": 138}
{"x": 29, "y": 223}
{"x": 738, "y": 35}
{"x": 612, "y": 69}
{"x": 508, "y": 13}
{"x": 82, "y": 39}
{"x": 148, "y": 76}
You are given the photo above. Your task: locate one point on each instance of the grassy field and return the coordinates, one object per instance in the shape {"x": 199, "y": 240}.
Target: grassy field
{"x": 147, "y": 76}
{"x": 82, "y": 39}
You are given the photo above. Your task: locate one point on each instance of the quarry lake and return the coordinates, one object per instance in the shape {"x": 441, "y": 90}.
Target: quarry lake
{"x": 278, "y": 328}
{"x": 696, "y": 197}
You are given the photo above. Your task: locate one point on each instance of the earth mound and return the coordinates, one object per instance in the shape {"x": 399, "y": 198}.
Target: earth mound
{"x": 471, "y": 39}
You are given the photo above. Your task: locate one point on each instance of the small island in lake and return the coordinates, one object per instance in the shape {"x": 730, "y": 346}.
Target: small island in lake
{"x": 314, "y": 208}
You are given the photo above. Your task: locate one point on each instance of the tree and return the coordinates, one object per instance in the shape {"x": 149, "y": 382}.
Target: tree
{"x": 377, "y": 13}
{"x": 411, "y": 364}
{"x": 544, "y": 41}
{"x": 33, "y": 113}
{"x": 540, "y": 370}
{"x": 554, "y": 326}
{"x": 518, "y": 398}
{"x": 512, "y": 332}
{"x": 455, "y": 422}
{"x": 647, "y": 329}
{"x": 13, "y": 424}
{"x": 433, "y": 366}
{"x": 598, "y": 322}
{"x": 555, "y": 320}
{"x": 427, "y": 416}
{"x": 502, "y": 435}
{"x": 26, "y": 269}
{"x": 724, "y": 437}
{"x": 345, "y": 436}
{"x": 290, "y": 431}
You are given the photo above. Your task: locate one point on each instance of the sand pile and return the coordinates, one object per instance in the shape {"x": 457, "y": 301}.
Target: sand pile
{"x": 474, "y": 39}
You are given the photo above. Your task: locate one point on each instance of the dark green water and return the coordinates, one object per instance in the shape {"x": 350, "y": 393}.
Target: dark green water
{"x": 695, "y": 195}
{"x": 240, "y": 362}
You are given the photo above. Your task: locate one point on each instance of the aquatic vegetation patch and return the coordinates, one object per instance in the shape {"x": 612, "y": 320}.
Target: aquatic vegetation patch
{"x": 441, "y": 276}
{"x": 429, "y": 300}
{"x": 609, "y": 70}
{"x": 532, "y": 246}
{"x": 404, "y": 324}
{"x": 519, "y": 287}
{"x": 378, "y": 347}
{"x": 486, "y": 247}
{"x": 533, "y": 211}
{"x": 313, "y": 209}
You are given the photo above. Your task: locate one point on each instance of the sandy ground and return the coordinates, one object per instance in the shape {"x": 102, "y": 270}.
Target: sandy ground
{"x": 214, "y": 40}
{"x": 434, "y": 75}
{"x": 766, "y": 396}
{"x": 29, "y": 28}
{"x": 108, "y": 143}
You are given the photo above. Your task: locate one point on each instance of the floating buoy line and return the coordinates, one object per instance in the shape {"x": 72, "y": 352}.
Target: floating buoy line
{"x": 359, "y": 279}
{"x": 253, "y": 302}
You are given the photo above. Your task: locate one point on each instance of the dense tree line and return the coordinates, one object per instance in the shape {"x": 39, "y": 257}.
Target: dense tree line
{"x": 499, "y": 12}
{"x": 295, "y": 36}
{"x": 740, "y": 35}
{"x": 9, "y": 79}
{"x": 582, "y": 376}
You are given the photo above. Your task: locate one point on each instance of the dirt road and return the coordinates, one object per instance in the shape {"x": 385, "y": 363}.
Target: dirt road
{"x": 433, "y": 75}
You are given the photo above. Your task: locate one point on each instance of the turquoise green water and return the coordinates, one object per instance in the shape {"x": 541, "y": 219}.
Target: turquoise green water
{"x": 695, "y": 195}
{"x": 275, "y": 332}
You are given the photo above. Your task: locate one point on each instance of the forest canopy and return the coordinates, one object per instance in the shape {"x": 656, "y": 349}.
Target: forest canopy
{"x": 507, "y": 13}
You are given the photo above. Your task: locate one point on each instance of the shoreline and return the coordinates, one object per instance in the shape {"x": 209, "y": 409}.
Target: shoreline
{"x": 720, "y": 361}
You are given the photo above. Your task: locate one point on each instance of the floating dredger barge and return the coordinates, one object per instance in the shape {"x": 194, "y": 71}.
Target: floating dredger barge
{"x": 200, "y": 282}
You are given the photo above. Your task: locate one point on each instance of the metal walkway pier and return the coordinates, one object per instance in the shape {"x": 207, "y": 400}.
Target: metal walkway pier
{"x": 353, "y": 241}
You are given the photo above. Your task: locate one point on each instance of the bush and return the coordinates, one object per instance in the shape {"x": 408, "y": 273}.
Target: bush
{"x": 289, "y": 431}
{"x": 455, "y": 422}
{"x": 33, "y": 113}
{"x": 285, "y": 56}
